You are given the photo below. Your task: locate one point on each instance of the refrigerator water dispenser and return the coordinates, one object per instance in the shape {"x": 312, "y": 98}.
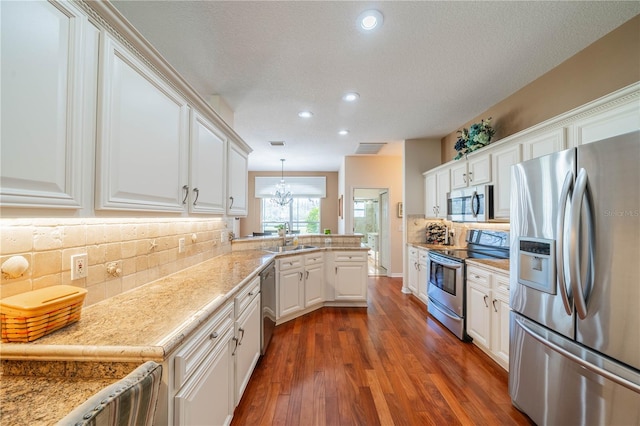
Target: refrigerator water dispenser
{"x": 536, "y": 266}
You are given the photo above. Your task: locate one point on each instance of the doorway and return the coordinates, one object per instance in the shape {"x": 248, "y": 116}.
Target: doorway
{"x": 371, "y": 219}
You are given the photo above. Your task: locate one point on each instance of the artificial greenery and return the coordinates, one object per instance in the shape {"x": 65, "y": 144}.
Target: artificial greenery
{"x": 477, "y": 136}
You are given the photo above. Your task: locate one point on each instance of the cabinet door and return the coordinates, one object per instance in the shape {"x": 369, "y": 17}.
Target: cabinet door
{"x": 611, "y": 122}
{"x": 423, "y": 274}
{"x": 500, "y": 329}
{"x": 47, "y": 119}
{"x": 290, "y": 298}
{"x": 237, "y": 181}
{"x": 430, "y": 195}
{"x": 247, "y": 350}
{"x": 478, "y": 314}
{"x": 412, "y": 282}
{"x": 208, "y": 167}
{"x": 459, "y": 175}
{"x": 544, "y": 144}
{"x": 207, "y": 397}
{"x": 351, "y": 281}
{"x": 444, "y": 186}
{"x": 479, "y": 170}
{"x": 314, "y": 284}
{"x": 142, "y": 137}
{"x": 502, "y": 161}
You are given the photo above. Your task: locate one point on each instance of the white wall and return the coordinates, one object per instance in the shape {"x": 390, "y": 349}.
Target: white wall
{"x": 376, "y": 172}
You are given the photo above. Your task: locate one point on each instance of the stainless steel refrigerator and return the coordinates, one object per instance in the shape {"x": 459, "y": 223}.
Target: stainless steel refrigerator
{"x": 575, "y": 285}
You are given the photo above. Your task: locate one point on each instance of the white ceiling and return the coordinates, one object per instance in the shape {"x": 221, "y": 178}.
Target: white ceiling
{"x": 431, "y": 67}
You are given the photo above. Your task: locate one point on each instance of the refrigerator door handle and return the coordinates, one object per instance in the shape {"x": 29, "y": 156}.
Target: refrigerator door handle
{"x": 567, "y": 186}
{"x": 589, "y": 366}
{"x": 577, "y": 284}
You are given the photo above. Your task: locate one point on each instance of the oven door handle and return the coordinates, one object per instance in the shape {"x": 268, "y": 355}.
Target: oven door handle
{"x": 441, "y": 262}
{"x": 443, "y": 309}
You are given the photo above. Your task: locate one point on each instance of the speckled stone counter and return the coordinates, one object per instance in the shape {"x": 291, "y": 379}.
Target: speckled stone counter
{"x": 43, "y": 380}
{"x": 499, "y": 265}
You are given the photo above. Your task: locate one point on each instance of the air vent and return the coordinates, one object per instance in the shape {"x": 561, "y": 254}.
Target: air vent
{"x": 276, "y": 143}
{"x": 370, "y": 148}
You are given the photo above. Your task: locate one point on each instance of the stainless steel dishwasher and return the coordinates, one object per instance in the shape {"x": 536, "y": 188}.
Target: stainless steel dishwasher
{"x": 267, "y": 305}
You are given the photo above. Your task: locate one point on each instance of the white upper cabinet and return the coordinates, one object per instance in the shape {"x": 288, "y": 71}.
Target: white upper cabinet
{"x": 474, "y": 171}
{"x": 437, "y": 185}
{"x": 48, "y": 85}
{"x": 142, "y": 137}
{"x": 545, "y": 143}
{"x": 613, "y": 121}
{"x": 207, "y": 182}
{"x": 503, "y": 158}
{"x": 238, "y": 180}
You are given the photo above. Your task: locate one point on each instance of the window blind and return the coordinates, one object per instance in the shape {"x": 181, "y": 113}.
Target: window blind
{"x": 300, "y": 186}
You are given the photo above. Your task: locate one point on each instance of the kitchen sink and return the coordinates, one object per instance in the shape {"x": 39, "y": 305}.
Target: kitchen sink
{"x": 286, "y": 249}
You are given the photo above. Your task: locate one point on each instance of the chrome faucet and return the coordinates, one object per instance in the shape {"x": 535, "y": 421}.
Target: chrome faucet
{"x": 286, "y": 241}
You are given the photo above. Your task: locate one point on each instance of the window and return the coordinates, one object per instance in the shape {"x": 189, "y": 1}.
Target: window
{"x": 359, "y": 208}
{"x": 302, "y": 215}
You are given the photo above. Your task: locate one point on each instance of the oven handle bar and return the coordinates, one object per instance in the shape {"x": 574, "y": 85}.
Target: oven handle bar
{"x": 445, "y": 262}
{"x": 443, "y": 309}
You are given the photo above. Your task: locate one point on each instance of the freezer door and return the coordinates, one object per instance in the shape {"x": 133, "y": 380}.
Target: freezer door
{"x": 553, "y": 389}
{"x": 610, "y": 324}
{"x": 536, "y": 192}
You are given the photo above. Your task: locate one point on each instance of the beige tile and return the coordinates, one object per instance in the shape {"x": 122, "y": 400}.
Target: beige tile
{"x": 142, "y": 247}
{"x": 129, "y": 231}
{"x": 128, "y": 249}
{"x": 114, "y": 287}
{"x": 46, "y": 262}
{"x": 96, "y": 234}
{"x": 66, "y": 256}
{"x": 129, "y": 283}
{"x": 47, "y": 281}
{"x": 66, "y": 279}
{"x": 166, "y": 229}
{"x": 142, "y": 278}
{"x": 114, "y": 233}
{"x": 142, "y": 263}
{"x": 74, "y": 236}
{"x": 143, "y": 231}
{"x": 128, "y": 267}
{"x": 15, "y": 287}
{"x": 47, "y": 238}
{"x": 16, "y": 239}
{"x": 95, "y": 294}
{"x": 113, "y": 251}
{"x": 97, "y": 254}
{"x": 96, "y": 274}
{"x": 153, "y": 230}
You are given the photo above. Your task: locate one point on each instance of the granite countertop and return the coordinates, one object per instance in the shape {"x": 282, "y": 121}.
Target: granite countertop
{"x": 500, "y": 265}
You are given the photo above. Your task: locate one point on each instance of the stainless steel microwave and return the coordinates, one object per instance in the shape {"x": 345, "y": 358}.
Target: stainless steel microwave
{"x": 473, "y": 204}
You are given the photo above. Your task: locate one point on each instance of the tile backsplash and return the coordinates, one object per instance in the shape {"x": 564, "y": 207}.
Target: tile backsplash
{"x": 417, "y": 226}
{"x": 142, "y": 250}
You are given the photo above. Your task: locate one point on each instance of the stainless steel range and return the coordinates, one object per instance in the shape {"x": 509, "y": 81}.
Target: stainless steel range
{"x": 446, "y": 289}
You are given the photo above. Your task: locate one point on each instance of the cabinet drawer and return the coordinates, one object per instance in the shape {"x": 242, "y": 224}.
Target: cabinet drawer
{"x": 201, "y": 344}
{"x": 424, "y": 257}
{"x": 313, "y": 259}
{"x": 290, "y": 263}
{"x": 413, "y": 251}
{"x": 351, "y": 256}
{"x": 478, "y": 276}
{"x": 501, "y": 284}
{"x": 246, "y": 295}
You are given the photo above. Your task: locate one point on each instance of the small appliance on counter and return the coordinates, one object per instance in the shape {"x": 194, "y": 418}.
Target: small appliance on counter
{"x": 446, "y": 288}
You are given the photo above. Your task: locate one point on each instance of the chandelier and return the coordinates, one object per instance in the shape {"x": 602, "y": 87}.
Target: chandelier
{"x": 282, "y": 196}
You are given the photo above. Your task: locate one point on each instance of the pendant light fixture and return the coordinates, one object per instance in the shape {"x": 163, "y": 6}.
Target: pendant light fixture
{"x": 282, "y": 196}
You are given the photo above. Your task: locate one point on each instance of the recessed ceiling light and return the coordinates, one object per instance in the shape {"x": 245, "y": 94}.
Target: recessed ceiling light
{"x": 351, "y": 96}
{"x": 343, "y": 132}
{"x": 305, "y": 114}
{"x": 370, "y": 20}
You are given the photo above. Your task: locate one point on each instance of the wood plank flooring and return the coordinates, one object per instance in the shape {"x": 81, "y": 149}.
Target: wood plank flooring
{"x": 388, "y": 364}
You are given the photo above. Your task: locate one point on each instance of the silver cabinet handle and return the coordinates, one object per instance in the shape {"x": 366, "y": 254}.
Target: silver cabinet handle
{"x": 197, "y": 191}
{"x": 567, "y": 186}
{"x": 231, "y": 205}
{"x": 235, "y": 349}
{"x": 213, "y": 335}
{"x": 186, "y": 193}
{"x": 300, "y": 275}
{"x": 494, "y": 305}
{"x": 241, "y": 330}
{"x": 485, "y": 301}
{"x": 470, "y": 179}
{"x": 464, "y": 177}
{"x": 580, "y": 290}
{"x": 307, "y": 275}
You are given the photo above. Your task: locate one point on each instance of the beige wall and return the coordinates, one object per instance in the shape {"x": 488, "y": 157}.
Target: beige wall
{"x": 609, "y": 64}
{"x": 145, "y": 249}
{"x": 328, "y": 205}
{"x": 377, "y": 172}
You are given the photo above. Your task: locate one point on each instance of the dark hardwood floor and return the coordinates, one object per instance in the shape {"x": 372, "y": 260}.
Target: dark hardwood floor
{"x": 383, "y": 365}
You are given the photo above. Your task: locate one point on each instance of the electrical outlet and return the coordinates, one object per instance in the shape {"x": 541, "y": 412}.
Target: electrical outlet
{"x": 181, "y": 245}
{"x": 79, "y": 266}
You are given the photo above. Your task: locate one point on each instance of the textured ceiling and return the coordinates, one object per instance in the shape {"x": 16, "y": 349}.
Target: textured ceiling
{"x": 431, "y": 67}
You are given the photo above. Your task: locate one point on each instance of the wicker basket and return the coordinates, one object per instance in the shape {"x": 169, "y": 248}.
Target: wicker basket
{"x": 28, "y": 316}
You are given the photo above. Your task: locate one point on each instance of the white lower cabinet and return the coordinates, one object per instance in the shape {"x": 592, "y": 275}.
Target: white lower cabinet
{"x": 313, "y": 279}
{"x": 488, "y": 312}
{"x": 412, "y": 270}
{"x": 350, "y": 276}
{"x": 300, "y": 283}
{"x": 246, "y": 346}
{"x": 203, "y": 374}
{"x": 423, "y": 274}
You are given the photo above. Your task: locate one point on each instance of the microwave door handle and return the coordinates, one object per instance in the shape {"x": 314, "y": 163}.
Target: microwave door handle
{"x": 567, "y": 186}
{"x": 580, "y": 200}
{"x": 475, "y": 209}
